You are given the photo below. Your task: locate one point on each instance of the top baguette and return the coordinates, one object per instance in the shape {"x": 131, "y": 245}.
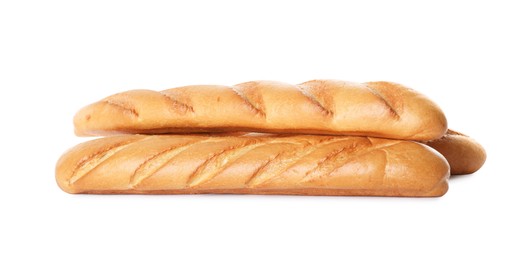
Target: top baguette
{"x": 377, "y": 109}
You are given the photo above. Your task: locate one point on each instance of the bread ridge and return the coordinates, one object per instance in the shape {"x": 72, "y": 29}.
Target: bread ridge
{"x": 260, "y": 164}
{"x": 330, "y": 107}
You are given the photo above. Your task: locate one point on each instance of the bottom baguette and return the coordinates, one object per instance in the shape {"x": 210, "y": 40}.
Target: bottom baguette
{"x": 259, "y": 164}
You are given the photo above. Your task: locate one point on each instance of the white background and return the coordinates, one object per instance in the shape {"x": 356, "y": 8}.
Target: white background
{"x": 57, "y": 56}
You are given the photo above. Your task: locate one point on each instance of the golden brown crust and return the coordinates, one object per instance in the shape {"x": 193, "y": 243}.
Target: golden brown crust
{"x": 380, "y": 109}
{"x": 464, "y": 154}
{"x": 253, "y": 164}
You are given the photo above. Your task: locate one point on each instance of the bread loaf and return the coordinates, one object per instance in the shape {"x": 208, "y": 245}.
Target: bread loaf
{"x": 253, "y": 164}
{"x": 463, "y": 153}
{"x": 377, "y": 109}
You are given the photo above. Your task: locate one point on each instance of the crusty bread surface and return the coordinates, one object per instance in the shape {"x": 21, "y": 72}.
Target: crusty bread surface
{"x": 253, "y": 164}
{"x": 331, "y": 107}
{"x": 464, "y": 154}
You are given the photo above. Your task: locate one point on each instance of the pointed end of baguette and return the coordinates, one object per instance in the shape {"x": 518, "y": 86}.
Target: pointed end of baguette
{"x": 427, "y": 119}
{"x": 61, "y": 172}
{"x": 423, "y": 171}
{"x": 105, "y": 117}
{"x": 464, "y": 154}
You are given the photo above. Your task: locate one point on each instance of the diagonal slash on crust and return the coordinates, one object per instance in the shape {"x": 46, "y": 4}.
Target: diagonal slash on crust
{"x": 180, "y": 106}
{"x": 248, "y": 102}
{"x": 384, "y": 101}
{"x": 306, "y": 93}
{"x": 129, "y": 109}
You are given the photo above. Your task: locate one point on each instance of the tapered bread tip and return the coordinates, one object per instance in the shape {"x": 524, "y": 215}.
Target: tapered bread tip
{"x": 61, "y": 170}
{"x": 429, "y": 177}
{"x": 464, "y": 154}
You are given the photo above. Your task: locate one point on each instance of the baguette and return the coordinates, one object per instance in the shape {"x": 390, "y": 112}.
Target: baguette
{"x": 377, "y": 109}
{"x": 253, "y": 164}
{"x": 463, "y": 153}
